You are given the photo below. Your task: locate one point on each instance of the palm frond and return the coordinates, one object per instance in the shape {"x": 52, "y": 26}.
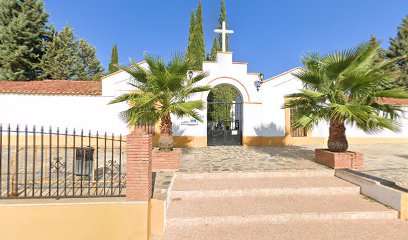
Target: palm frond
{"x": 309, "y": 78}
{"x": 391, "y": 93}
{"x": 190, "y": 108}
{"x": 125, "y": 97}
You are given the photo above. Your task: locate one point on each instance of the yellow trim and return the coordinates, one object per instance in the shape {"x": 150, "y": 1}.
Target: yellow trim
{"x": 282, "y": 141}
{"x": 249, "y": 98}
{"x": 299, "y": 141}
{"x": 119, "y": 71}
{"x": 252, "y": 103}
{"x": 157, "y": 209}
{"x": 184, "y": 141}
{"x": 82, "y": 219}
{"x": 288, "y": 126}
{"x": 284, "y": 73}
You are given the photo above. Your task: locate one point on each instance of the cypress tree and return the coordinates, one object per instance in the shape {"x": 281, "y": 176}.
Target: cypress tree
{"x": 60, "y": 60}
{"x": 223, "y": 17}
{"x": 214, "y": 50}
{"x": 190, "y": 52}
{"x": 88, "y": 66}
{"x": 198, "y": 39}
{"x": 23, "y": 31}
{"x": 114, "y": 62}
{"x": 399, "y": 48}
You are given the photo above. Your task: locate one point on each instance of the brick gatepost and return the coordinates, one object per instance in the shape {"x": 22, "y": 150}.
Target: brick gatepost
{"x": 139, "y": 165}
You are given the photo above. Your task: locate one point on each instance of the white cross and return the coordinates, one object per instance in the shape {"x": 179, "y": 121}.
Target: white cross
{"x": 224, "y": 33}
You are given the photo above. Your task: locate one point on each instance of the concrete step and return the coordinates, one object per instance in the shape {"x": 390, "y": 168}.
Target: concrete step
{"x": 223, "y": 175}
{"x": 262, "y": 186}
{"x": 266, "y": 192}
{"x": 305, "y": 230}
{"x": 280, "y": 208}
{"x": 258, "y": 183}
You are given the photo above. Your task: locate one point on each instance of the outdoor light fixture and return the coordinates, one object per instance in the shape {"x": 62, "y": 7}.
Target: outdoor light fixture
{"x": 259, "y": 83}
{"x": 261, "y": 77}
{"x": 190, "y": 74}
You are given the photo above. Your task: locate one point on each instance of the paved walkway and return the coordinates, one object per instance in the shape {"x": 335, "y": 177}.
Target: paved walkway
{"x": 237, "y": 159}
{"x": 388, "y": 161}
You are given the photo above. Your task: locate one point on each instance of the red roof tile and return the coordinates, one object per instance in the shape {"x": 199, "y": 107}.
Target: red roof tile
{"x": 52, "y": 87}
{"x": 393, "y": 101}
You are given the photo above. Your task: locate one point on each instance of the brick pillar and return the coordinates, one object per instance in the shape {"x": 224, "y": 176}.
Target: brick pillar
{"x": 139, "y": 165}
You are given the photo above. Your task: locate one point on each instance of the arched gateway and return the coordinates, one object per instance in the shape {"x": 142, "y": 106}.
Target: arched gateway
{"x": 224, "y": 116}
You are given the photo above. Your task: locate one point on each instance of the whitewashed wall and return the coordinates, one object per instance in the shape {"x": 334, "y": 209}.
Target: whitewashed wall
{"x": 225, "y": 71}
{"x": 80, "y": 112}
{"x": 274, "y": 92}
{"x": 273, "y": 98}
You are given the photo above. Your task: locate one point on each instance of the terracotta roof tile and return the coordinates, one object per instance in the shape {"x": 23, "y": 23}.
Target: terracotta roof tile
{"x": 52, "y": 87}
{"x": 393, "y": 101}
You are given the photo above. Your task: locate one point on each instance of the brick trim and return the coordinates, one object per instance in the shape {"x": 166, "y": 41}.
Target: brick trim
{"x": 353, "y": 160}
{"x": 139, "y": 165}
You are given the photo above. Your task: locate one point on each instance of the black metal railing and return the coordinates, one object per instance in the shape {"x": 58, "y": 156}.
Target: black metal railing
{"x": 40, "y": 163}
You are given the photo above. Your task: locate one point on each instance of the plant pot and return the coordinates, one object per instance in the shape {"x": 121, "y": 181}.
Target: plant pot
{"x": 166, "y": 160}
{"x": 338, "y": 160}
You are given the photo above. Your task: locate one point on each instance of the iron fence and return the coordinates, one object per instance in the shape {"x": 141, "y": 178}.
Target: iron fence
{"x": 40, "y": 163}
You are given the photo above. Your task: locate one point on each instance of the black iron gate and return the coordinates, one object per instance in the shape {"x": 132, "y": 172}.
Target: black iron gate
{"x": 224, "y": 124}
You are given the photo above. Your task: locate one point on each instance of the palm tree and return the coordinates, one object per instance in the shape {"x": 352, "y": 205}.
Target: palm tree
{"x": 164, "y": 90}
{"x": 347, "y": 88}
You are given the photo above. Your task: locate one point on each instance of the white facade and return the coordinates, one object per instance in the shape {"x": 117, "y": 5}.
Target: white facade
{"x": 79, "y": 112}
{"x": 262, "y": 113}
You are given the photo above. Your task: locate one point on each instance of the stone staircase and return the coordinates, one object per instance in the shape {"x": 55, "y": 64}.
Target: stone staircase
{"x": 276, "y": 205}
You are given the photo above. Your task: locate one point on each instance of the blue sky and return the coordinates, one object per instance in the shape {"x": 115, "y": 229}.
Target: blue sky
{"x": 271, "y": 35}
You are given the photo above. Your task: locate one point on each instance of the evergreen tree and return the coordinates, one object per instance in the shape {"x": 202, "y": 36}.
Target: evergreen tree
{"x": 214, "y": 50}
{"x": 23, "y": 31}
{"x": 399, "y": 48}
{"x": 223, "y": 17}
{"x": 114, "y": 62}
{"x": 69, "y": 59}
{"x": 88, "y": 66}
{"x": 198, "y": 39}
{"x": 381, "y": 55}
{"x": 60, "y": 60}
{"x": 190, "y": 52}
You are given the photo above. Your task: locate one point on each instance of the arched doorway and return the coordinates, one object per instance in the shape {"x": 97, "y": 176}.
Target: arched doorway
{"x": 224, "y": 116}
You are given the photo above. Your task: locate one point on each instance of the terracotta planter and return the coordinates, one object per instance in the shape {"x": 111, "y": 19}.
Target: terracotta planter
{"x": 162, "y": 160}
{"x": 352, "y": 160}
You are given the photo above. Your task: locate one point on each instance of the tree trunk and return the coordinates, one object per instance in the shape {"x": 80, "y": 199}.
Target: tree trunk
{"x": 337, "y": 137}
{"x": 166, "y": 142}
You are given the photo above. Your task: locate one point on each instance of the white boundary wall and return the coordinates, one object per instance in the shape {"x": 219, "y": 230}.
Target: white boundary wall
{"x": 80, "y": 112}
{"x": 262, "y": 113}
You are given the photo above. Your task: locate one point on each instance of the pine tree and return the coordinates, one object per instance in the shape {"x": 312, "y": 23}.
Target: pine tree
{"x": 60, "y": 60}
{"x": 114, "y": 62}
{"x": 66, "y": 58}
{"x": 189, "y": 52}
{"x": 214, "y": 50}
{"x": 380, "y": 57}
{"x": 381, "y": 52}
{"x": 88, "y": 66}
{"x": 399, "y": 48}
{"x": 23, "y": 31}
{"x": 222, "y": 18}
{"x": 198, "y": 39}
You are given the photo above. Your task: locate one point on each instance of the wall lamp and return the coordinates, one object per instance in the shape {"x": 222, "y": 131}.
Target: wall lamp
{"x": 259, "y": 83}
{"x": 190, "y": 74}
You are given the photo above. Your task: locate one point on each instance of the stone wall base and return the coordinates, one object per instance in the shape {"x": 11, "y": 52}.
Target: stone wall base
{"x": 336, "y": 160}
{"x": 166, "y": 160}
